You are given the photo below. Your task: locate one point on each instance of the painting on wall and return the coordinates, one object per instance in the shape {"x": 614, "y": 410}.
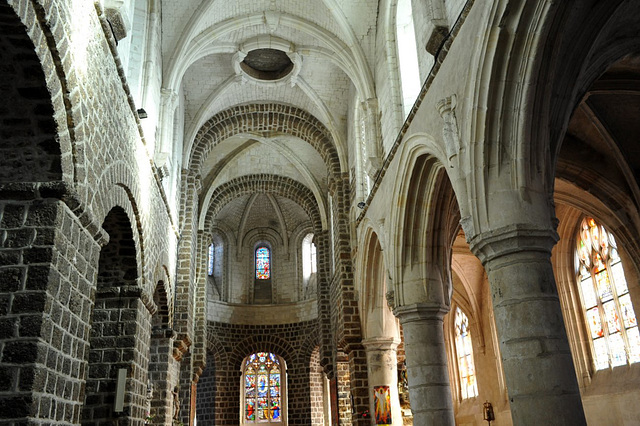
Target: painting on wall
{"x": 382, "y": 404}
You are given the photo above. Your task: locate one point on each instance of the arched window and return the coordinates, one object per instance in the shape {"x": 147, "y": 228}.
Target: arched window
{"x": 407, "y": 55}
{"x": 605, "y": 297}
{"x": 308, "y": 256}
{"x": 211, "y": 259}
{"x": 464, "y": 352}
{"x": 309, "y": 268}
{"x": 263, "y": 263}
{"x": 263, "y": 389}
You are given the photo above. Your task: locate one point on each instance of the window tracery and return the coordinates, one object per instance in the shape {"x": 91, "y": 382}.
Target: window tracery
{"x": 606, "y": 302}
{"x": 263, "y": 391}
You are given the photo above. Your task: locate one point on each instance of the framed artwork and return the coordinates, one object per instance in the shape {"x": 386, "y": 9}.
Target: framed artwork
{"x": 382, "y": 404}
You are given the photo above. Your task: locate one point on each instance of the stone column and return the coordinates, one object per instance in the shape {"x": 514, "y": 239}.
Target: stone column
{"x": 539, "y": 370}
{"x": 382, "y": 363}
{"x": 426, "y": 358}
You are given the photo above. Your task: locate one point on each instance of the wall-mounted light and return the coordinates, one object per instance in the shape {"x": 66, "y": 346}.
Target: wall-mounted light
{"x": 142, "y": 113}
{"x": 487, "y": 412}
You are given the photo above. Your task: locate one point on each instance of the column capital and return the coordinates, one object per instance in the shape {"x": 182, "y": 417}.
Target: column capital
{"x": 491, "y": 245}
{"x": 380, "y": 343}
{"x": 419, "y": 312}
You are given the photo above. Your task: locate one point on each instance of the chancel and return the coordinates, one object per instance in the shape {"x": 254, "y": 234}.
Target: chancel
{"x": 319, "y": 212}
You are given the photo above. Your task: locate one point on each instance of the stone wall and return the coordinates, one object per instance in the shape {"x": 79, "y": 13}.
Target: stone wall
{"x": 45, "y": 304}
{"x": 76, "y": 152}
{"x": 229, "y": 344}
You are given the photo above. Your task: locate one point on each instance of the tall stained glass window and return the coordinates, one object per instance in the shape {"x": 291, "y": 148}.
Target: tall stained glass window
{"x": 263, "y": 263}
{"x": 605, "y": 297}
{"x": 262, "y": 390}
{"x": 464, "y": 350}
{"x": 210, "y": 260}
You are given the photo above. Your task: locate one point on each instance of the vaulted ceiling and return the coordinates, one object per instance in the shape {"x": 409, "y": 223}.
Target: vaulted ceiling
{"x": 315, "y": 56}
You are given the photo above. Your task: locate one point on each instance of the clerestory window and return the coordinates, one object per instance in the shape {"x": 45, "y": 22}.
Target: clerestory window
{"x": 263, "y": 263}
{"x": 407, "y": 55}
{"x": 211, "y": 259}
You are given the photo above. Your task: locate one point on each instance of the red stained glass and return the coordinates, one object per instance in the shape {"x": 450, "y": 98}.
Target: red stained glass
{"x": 605, "y": 295}
{"x": 263, "y": 263}
{"x": 595, "y": 325}
{"x": 262, "y": 388}
{"x": 250, "y": 410}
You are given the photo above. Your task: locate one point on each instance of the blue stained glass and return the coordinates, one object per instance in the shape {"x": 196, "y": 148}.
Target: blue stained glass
{"x": 250, "y": 385}
{"x": 210, "y": 260}
{"x": 262, "y": 388}
{"x": 275, "y": 408}
{"x": 263, "y": 264}
{"x": 262, "y": 385}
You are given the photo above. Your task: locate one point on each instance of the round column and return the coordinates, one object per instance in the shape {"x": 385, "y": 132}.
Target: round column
{"x": 382, "y": 370}
{"x": 539, "y": 370}
{"x": 426, "y": 357}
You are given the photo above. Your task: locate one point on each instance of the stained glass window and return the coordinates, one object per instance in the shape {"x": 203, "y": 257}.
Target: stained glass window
{"x": 263, "y": 263}
{"x": 210, "y": 260}
{"x": 464, "y": 350}
{"x": 605, "y": 297}
{"x": 262, "y": 390}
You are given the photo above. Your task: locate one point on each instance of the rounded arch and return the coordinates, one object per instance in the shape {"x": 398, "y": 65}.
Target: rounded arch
{"x": 162, "y": 317}
{"x": 216, "y": 350}
{"x": 265, "y": 119}
{"x": 308, "y": 347}
{"x": 253, "y": 344}
{"x": 120, "y": 195}
{"x": 270, "y": 184}
{"x": 38, "y": 125}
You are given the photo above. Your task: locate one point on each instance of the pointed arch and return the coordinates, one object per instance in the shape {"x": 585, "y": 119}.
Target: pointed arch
{"x": 423, "y": 242}
{"x": 38, "y": 125}
{"x": 376, "y": 317}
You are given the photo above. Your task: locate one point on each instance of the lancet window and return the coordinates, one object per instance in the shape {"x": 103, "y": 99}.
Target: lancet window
{"x": 464, "y": 352}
